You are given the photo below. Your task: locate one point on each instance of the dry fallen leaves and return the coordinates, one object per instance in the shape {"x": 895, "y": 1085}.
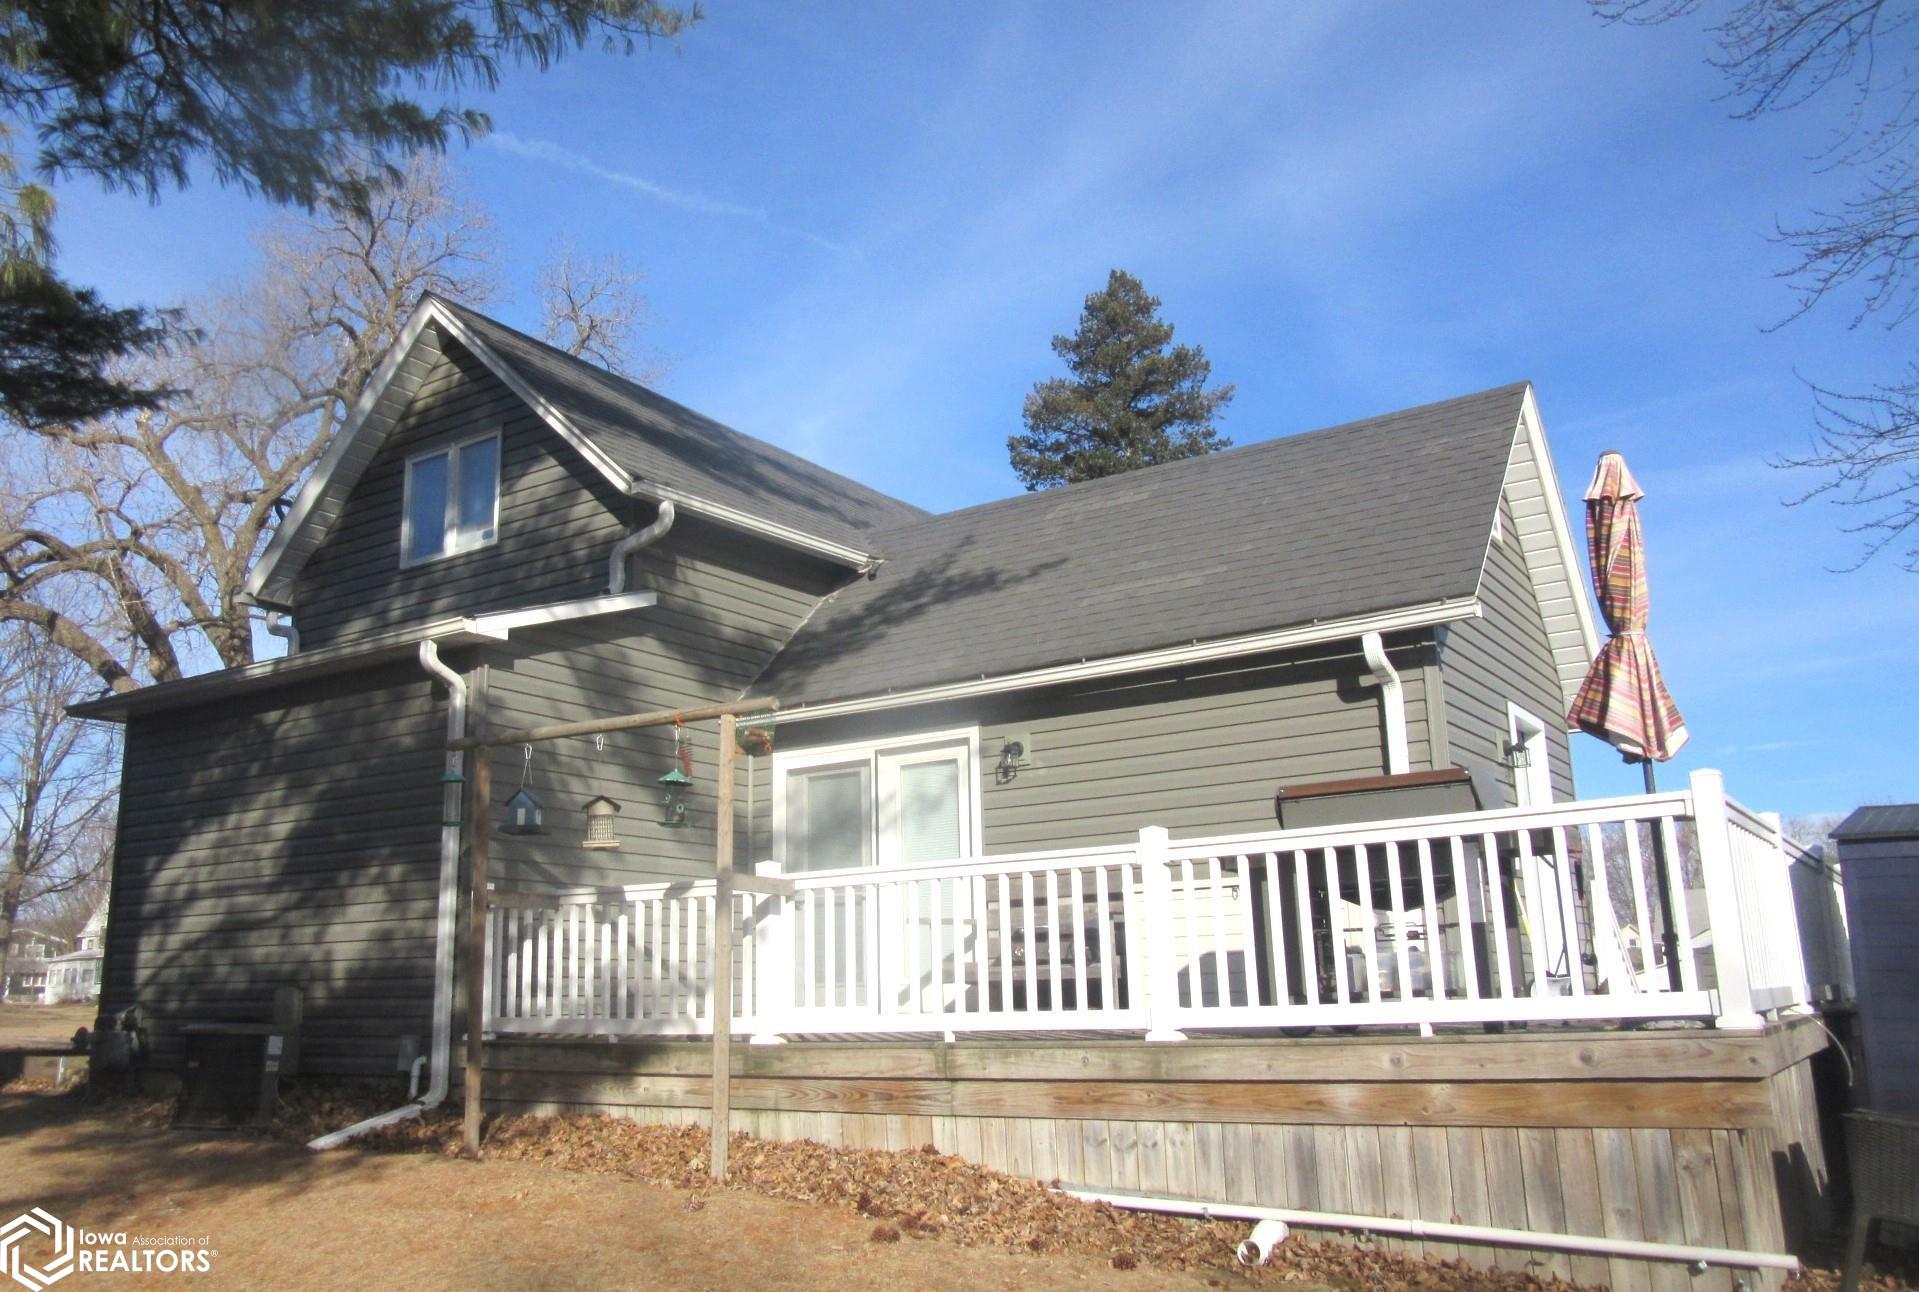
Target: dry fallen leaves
{"x": 919, "y": 1193}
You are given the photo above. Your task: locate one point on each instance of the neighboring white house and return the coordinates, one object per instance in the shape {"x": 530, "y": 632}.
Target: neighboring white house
{"x": 28, "y": 950}
{"x": 75, "y": 976}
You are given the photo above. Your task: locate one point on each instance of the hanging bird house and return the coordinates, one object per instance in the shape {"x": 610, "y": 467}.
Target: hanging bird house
{"x": 673, "y": 801}
{"x": 600, "y": 812}
{"x": 524, "y": 814}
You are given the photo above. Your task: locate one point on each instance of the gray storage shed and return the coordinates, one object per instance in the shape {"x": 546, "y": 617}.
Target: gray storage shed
{"x": 1879, "y": 854}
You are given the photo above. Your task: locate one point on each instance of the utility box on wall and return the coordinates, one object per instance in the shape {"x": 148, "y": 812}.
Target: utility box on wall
{"x": 1879, "y": 858}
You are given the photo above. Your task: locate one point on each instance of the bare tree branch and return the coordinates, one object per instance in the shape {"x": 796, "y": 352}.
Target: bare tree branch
{"x": 1781, "y": 54}
{"x": 142, "y": 528}
{"x": 1867, "y": 446}
{"x": 592, "y": 308}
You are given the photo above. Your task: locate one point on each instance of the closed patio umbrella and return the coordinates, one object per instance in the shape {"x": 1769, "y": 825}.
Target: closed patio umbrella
{"x": 1624, "y": 700}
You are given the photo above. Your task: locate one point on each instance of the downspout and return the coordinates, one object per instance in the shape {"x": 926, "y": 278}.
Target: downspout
{"x": 278, "y": 625}
{"x": 1392, "y": 701}
{"x": 616, "y": 559}
{"x": 447, "y": 924}
{"x": 1724, "y": 1257}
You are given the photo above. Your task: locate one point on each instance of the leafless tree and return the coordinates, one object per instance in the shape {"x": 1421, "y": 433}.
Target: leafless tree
{"x": 143, "y": 526}
{"x": 57, "y": 780}
{"x": 127, "y": 542}
{"x": 1780, "y": 54}
{"x": 1814, "y": 830}
{"x": 593, "y": 308}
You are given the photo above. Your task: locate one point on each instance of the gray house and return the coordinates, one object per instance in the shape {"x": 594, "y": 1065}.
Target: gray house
{"x": 1087, "y": 812}
{"x": 1394, "y": 596}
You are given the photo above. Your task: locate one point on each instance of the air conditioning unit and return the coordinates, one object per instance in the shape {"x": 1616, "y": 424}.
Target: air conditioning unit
{"x": 230, "y": 1075}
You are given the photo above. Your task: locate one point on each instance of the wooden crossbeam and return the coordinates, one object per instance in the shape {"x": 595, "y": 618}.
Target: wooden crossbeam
{"x": 624, "y": 722}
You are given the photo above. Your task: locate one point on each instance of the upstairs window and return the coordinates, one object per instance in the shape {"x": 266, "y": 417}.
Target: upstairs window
{"x": 452, "y": 500}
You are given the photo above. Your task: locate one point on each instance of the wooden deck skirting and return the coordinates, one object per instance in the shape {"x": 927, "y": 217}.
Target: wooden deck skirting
{"x": 1672, "y": 1080}
{"x": 1683, "y": 1136}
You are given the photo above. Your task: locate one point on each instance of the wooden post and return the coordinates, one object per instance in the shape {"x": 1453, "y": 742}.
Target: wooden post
{"x": 722, "y": 943}
{"x": 479, "y": 809}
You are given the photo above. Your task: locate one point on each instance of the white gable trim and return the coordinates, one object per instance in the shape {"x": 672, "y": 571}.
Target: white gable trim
{"x": 378, "y": 409}
{"x": 1545, "y": 538}
{"x": 349, "y": 442}
{"x": 626, "y": 482}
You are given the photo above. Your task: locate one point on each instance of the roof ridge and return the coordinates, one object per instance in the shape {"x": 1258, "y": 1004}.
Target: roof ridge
{"x": 1159, "y": 470}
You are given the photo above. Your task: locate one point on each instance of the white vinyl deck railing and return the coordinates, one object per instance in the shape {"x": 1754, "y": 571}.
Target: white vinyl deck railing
{"x": 1676, "y": 905}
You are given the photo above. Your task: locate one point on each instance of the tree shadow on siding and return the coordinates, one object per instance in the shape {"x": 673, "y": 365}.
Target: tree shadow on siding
{"x": 901, "y": 602}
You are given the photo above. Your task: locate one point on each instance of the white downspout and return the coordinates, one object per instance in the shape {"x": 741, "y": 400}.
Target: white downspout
{"x": 448, "y": 922}
{"x": 1392, "y": 701}
{"x": 616, "y": 559}
{"x": 278, "y": 625}
{"x": 1725, "y": 1257}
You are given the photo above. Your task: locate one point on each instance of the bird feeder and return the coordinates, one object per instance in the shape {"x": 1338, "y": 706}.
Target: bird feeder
{"x": 756, "y": 737}
{"x": 600, "y": 812}
{"x": 524, "y": 814}
{"x": 673, "y": 801}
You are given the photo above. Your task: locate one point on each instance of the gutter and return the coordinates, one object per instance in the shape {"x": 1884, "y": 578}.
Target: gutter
{"x": 1312, "y": 634}
{"x": 447, "y": 922}
{"x": 461, "y": 630}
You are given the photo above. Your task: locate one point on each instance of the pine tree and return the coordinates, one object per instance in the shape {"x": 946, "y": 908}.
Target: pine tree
{"x": 1130, "y": 402}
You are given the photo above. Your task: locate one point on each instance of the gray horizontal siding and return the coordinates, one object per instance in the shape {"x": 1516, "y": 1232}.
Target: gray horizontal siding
{"x": 726, "y": 604}
{"x": 257, "y": 850}
{"x": 558, "y": 516}
{"x": 1502, "y": 657}
{"x": 1200, "y": 752}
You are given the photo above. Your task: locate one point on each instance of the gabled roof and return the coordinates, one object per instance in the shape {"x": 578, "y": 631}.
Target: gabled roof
{"x": 643, "y": 443}
{"x": 666, "y": 444}
{"x": 1383, "y": 523}
{"x": 1376, "y": 525}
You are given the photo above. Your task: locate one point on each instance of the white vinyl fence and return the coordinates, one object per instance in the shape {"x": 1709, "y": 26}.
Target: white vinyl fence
{"x": 1670, "y": 905}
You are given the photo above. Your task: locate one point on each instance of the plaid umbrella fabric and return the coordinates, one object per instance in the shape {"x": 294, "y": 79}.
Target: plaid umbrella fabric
{"x": 1623, "y": 700}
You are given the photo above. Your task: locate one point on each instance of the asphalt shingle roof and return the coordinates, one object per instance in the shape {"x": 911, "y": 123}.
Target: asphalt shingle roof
{"x": 670, "y": 444}
{"x": 1381, "y": 514}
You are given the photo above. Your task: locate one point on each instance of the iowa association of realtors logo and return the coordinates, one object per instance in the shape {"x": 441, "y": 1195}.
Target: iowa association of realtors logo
{"x": 38, "y": 1249}
{"x": 18, "y": 1234}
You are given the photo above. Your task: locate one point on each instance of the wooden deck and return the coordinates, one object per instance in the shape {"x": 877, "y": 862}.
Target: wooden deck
{"x": 1692, "y": 1136}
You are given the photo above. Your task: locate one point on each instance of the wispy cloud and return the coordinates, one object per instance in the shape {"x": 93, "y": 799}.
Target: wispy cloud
{"x": 545, "y": 150}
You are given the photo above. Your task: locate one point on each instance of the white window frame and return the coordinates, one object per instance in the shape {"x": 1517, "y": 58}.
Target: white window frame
{"x": 875, "y": 754}
{"x": 457, "y": 541}
{"x": 1532, "y": 784}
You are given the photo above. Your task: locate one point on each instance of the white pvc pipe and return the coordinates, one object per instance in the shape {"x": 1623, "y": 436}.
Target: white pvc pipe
{"x": 446, "y": 925}
{"x": 616, "y": 559}
{"x": 278, "y": 625}
{"x": 1724, "y": 1256}
{"x": 1392, "y": 701}
{"x": 1259, "y": 1245}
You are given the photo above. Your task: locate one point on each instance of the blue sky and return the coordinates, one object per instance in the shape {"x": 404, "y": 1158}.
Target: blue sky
{"x": 862, "y": 224}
